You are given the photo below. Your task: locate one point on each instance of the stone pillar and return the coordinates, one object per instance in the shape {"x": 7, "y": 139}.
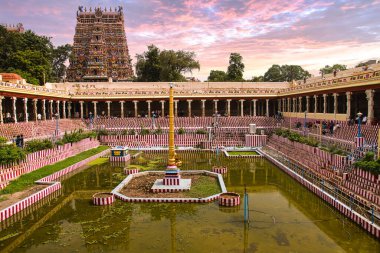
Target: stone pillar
{"x": 95, "y": 109}
{"x": 64, "y": 109}
{"x": 324, "y": 103}
{"x": 203, "y": 107}
{"x": 35, "y": 100}
{"x": 299, "y": 104}
{"x": 26, "y": 109}
{"x": 135, "y": 105}
{"x": 51, "y": 109}
{"x": 283, "y": 108}
{"x": 162, "y": 108}
{"x": 122, "y": 109}
{"x": 267, "y": 108}
{"x": 1, "y": 110}
{"x": 229, "y": 107}
{"x": 307, "y": 104}
{"x": 335, "y": 95}
{"x": 216, "y": 105}
{"x": 315, "y": 103}
{"x": 58, "y": 111}
{"x": 241, "y": 107}
{"x": 370, "y": 94}
{"x": 14, "y": 99}
{"x": 288, "y": 105}
{"x": 176, "y": 108}
{"x": 348, "y": 111}
{"x": 279, "y": 104}
{"x": 69, "y": 109}
{"x": 149, "y": 110}
{"x": 294, "y": 105}
{"x": 189, "y": 106}
{"x": 108, "y": 109}
{"x": 44, "y": 109}
{"x": 81, "y": 109}
{"x": 254, "y": 107}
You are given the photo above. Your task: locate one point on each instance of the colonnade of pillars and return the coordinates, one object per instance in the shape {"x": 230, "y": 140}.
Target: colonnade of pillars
{"x": 295, "y": 104}
{"x": 257, "y": 107}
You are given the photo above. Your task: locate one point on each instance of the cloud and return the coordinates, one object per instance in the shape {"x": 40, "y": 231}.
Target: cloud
{"x": 306, "y": 32}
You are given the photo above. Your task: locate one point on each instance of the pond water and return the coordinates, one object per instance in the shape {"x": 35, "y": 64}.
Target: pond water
{"x": 284, "y": 217}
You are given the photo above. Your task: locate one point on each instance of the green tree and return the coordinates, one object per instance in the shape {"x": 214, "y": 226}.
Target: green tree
{"x": 26, "y": 54}
{"x": 217, "y": 76}
{"x": 155, "y": 65}
{"x": 236, "y": 68}
{"x": 60, "y": 55}
{"x": 148, "y": 65}
{"x": 330, "y": 69}
{"x": 257, "y": 79}
{"x": 285, "y": 73}
{"x": 175, "y": 63}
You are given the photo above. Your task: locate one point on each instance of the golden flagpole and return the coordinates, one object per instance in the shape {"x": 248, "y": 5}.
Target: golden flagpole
{"x": 171, "y": 160}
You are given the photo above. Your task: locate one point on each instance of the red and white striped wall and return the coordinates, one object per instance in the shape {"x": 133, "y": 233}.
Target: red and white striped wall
{"x": 253, "y": 140}
{"x": 120, "y": 158}
{"x": 220, "y": 170}
{"x": 53, "y": 186}
{"x": 344, "y": 209}
{"x": 103, "y": 199}
{"x": 229, "y": 199}
{"x": 22, "y": 204}
{"x": 131, "y": 171}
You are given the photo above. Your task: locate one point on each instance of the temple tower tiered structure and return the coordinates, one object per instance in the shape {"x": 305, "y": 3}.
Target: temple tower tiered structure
{"x": 100, "y": 50}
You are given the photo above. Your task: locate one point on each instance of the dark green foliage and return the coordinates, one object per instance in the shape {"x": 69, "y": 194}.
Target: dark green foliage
{"x": 217, "y": 76}
{"x": 144, "y": 131}
{"x": 330, "y": 69}
{"x": 28, "y": 179}
{"x": 37, "y": 145}
{"x": 236, "y": 68}
{"x": 102, "y": 132}
{"x": 368, "y": 163}
{"x": 32, "y": 56}
{"x": 132, "y": 132}
{"x": 77, "y": 136}
{"x": 201, "y": 131}
{"x": 155, "y": 65}
{"x": 11, "y": 154}
{"x": 285, "y": 73}
{"x": 3, "y": 140}
{"x": 158, "y": 131}
{"x": 293, "y": 136}
{"x": 181, "y": 131}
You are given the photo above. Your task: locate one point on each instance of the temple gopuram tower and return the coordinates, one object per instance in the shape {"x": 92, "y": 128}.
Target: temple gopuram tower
{"x": 100, "y": 50}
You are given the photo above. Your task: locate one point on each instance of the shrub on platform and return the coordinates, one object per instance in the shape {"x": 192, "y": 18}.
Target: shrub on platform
{"x": 37, "y": 145}
{"x": 181, "y": 131}
{"x": 201, "y": 131}
{"x": 9, "y": 154}
{"x": 368, "y": 163}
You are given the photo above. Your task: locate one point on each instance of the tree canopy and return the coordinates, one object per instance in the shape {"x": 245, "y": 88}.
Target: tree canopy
{"x": 32, "y": 56}
{"x": 234, "y": 71}
{"x": 217, "y": 76}
{"x": 236, "y": 68}
{"x": 330, "y": 69}
{"x": 285, "y": 73}
{"x": 155, "y": 65}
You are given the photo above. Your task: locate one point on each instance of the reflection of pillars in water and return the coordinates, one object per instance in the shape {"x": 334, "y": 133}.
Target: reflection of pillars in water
{"x": 97, "y": 176}
{"x": 241, "y": 176}
{"x": 266, "y": 174}
{"x": 110, "y": 174}
{"x": 72, "y": 205}
{"x": 173, "y": 232}
{"x": 229, "y": 176}
{"x": 253, "y": 170}
{"x": 246, "y": 229}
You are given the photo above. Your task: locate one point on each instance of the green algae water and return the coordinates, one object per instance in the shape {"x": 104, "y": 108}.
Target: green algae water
{"x": 284, "y": 216}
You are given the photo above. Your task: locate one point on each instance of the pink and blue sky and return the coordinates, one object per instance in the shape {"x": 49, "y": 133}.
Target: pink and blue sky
{"x": 309, "y": 33}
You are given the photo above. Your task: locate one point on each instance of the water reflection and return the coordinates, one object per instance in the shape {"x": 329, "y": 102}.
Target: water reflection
{"x": 285, "y": 217}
